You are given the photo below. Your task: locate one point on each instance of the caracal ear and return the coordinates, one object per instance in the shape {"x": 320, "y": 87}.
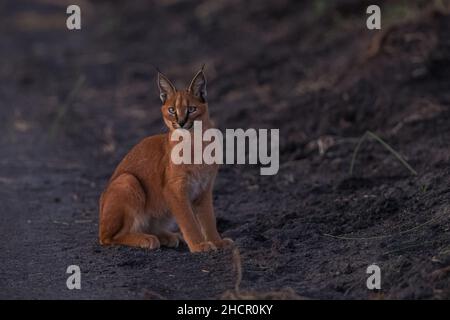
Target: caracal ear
{"x": 198, "y": 85}
{"x": 166, "y": 88}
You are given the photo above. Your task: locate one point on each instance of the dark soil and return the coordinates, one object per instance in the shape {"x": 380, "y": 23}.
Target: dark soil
{"x": 72, "y": 103}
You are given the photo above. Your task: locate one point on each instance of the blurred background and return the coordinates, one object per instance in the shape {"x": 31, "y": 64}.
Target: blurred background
{"x": 72, "y": 103}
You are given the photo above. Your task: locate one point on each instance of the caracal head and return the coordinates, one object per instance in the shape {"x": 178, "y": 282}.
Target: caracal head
{"x": 181, "y": 108}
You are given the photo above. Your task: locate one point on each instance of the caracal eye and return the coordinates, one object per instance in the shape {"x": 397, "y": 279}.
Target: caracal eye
{"x": 171, "y": 110}
{"x": 192, "y": 109}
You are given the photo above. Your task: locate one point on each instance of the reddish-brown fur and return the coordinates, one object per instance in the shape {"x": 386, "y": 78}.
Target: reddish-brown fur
{"x": 147, "y": 190}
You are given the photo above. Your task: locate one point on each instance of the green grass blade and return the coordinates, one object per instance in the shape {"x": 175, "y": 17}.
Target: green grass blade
{"x": 355, "y": 153}
{"x": 384, "y": 144}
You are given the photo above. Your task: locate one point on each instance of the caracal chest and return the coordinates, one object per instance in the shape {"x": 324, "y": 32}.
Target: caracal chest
{"x": 199, "y": 179}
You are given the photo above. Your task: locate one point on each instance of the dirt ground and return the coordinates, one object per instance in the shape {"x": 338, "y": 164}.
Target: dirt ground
{"x": 72, "y": 103}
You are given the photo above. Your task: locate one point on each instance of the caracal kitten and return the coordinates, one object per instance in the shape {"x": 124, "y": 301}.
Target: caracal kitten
{"x": 147, "y": 190}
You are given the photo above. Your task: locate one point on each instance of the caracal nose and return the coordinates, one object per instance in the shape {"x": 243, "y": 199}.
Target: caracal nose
{"x": 182, "y": 122}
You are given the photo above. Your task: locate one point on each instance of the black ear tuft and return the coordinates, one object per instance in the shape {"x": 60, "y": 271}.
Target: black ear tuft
{"x": 198, "y": 85}
{"x": 166, "y": 88}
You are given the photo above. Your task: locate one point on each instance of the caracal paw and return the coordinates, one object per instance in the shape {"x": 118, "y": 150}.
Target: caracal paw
{"x": 204, "y": 247}
{"x": 224, "y": 243}
{"x": 149, "y": 242}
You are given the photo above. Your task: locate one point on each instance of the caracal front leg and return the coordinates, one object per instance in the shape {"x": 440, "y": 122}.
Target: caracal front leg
{"x": 204, "y": 211}
{"x": 181, "y": 209}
